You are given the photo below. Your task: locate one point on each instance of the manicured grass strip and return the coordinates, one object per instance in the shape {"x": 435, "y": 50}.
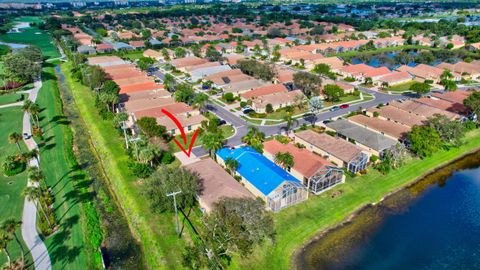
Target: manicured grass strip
{"x": 298, "y": 224}
{"x": 10, "y": 98}
{"x": 67, "y": 246}
{"x": 156, "y": 232}
{"x": 11, "y": 199}
{"x": 400, "y": 88}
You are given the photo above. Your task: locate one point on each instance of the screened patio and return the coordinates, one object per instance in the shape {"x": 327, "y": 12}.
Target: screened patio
{"x": 287, "y": 194}
{"x": 324, "y": 179}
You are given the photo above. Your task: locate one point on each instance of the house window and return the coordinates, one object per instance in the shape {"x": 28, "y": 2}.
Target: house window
{"x": 189, "y": 128}
{"x": 172, "y": 131}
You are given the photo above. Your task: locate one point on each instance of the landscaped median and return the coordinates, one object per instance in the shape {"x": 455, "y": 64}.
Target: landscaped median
{"x": 156, "y": 232}
{"x": 298, "y": 224}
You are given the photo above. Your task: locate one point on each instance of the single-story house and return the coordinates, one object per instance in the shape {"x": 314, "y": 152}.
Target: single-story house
{"x": 276, "y": 100}
{"x": 388, "y": 128}
{"x": 397, "y": 115}
{"x": 104, "y": 48}
{"x": 422, "y": 109}
{"x": 395, "y": 78}
{"x": 315, "y": 172}
{"x": 264, "y": 90}
{"x": 246, "y": 84}
{"x": 86, "y": 49}
{"x": 454, "y": 107}
{"x": 215, "y": 184}
{"x": 371, "y": 141}
{"x": 338, "y": 151}
{"x": 201, "y": 73}
{"x": 265, "y": 179}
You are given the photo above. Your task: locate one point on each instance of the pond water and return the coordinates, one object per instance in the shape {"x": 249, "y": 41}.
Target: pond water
{"x": 432, "y": 225}
{"x": 385, "y": 60}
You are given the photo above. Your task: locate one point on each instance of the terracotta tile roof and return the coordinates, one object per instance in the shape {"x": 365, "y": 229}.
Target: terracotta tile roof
{"x": 454, "y": 107}
{"x": 422, "y": 109}
{"x": 104, "y": 46}
{"x": 394, "y": 77}
{"x": 305, "y": 162}
{"x": 141, "y": 95}
{"x": 336, "y": 147}
{"x": 204, "y": 65}
{"x": 137, "y": 43}
{"x": 173, "y": 108}
{"x": 453, "y": 96}
{"x": 140, "y": 87}
{"x": 187, "y": 61}
{"x": 376, "y": 72}
{"x": 276, "y": 99}
{"x": 219, "y": 75}
{"x": 265, "y": 90}
{"x": 335, "y": 63}
{"x": 395, "y": 114}
{"x": 133, "y": 80}
{"x": 356, "y": 70}
{"x": 216, "y": 183}
{"x": 123, "y": 75}
{"x": 392, "y": 129}
{"x": 184, "y": 121}
{"x": 102, "y": 59}
{"x": 137, "y": 105}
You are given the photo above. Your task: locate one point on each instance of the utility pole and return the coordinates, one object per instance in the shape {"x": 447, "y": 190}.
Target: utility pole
{"x": 175, "y": 205}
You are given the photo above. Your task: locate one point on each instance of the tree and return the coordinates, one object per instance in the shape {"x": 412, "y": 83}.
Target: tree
{"x": 184, "y": 93}
{"x": 473, "y": 103}
{"x": 213, "y": 141}
{"x": 309, "y": 84}
{"x": 254, "y": 138}
{"x": 333, "y": 92}
{"x": 34, "y": 194}
{"x": 322, "y": 69}
{"x": 10, "y": 227}
{"x": 420, "y": 88}
{"x": 424, "y": 140}
{"x": 150, "y": 153}
{"x": 200, "y": 101}
{"x": 269, "y": 108}
{"x": 284, "y": 160}
{"x": 166, "y": 55}
{"x": 212, "y": 54}
{"x": 449, "y": 85}
{"x": 289, "y": 121}
{"x": 145, "y": 62}
{"x": 257, "y": 69}
{"x": 171, "y": 179}
{"x": 36, "y": 175}
{"x": 32, "y": 53}
{"x": 180, "y": 52}
{"x": 237, "y": 225}
{"x": 149, "y": 127}
{"x": 274, "y": 32}
{"x": 4, "y": 240}
{"x": 395, "y": 155}
{"x": 33, "y": 109}
{"x": 20, "y": 69}
{"x": 232, "y": 164}
{"x": 450, "y": 131}
{"x": 15, "y": 138}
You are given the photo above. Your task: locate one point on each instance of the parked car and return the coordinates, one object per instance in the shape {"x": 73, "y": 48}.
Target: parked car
{"x": 220, "y": 122}
{"x": 344, "y": 106}
{"x": 26, "y": 136}
{"x": 334, "y": 108}
{"x": 247, "y": 110}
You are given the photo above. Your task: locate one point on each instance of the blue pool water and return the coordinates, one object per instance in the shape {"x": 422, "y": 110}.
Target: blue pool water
{"x": 261, "y": 172}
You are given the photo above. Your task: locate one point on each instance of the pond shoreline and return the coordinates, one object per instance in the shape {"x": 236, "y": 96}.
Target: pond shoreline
{"x": 298, "y": 261}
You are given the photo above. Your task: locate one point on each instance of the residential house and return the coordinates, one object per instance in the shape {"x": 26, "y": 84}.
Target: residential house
{"x": 264, "y": 90}
{"x": 338, "y": 151}
{"x": 276, "y": 100}
{"x": 387, "y": 128}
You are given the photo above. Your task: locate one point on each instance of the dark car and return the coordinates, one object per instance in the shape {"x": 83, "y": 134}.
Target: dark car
{"x": 221, "y": 122}
{"x": 247, "y": 110}
{"x": 344, "y": 106}
{"x": 26, "y": 136}
{"x": 334, "y": 108}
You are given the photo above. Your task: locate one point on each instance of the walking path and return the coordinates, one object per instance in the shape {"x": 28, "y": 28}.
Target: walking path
{"x": 20, "y": 103}
{"x": 37, "y": 248}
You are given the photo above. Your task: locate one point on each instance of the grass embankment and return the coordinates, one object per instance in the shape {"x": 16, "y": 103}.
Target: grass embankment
{"x": 11, "y": 188}
{"x": 9, "y": 98}
{"x": 400, "y": 88}
{"x": 68, "y": 247}
{"x": 297, "y": 224}
{"x": 156, "y": 232}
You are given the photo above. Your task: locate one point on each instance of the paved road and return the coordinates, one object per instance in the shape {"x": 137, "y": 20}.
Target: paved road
{"x": 241, "y": 125}
{"x": 30, "y": 235}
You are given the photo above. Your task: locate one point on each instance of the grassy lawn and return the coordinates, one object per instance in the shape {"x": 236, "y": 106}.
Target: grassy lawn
{"x": 2, "y": 71}
{"x": 156, "y": 232}
{"x": 9, "y": 98}
{"x": 298, "y": 224}
{"x": 400, "y": 88}
{"x": 11, "y": 199}
{"x": 33, "y": 36}
{"x": 345, "y": 99}
{"x": 66, "y": 247}
{"x": 227, "y": 130}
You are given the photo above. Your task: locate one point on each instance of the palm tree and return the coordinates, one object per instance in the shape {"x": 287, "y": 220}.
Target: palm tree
{"x": 15, "y": 138}
{"x": 36, "y": 175}
{"x": 34, "y": 194}
{"x": 232, "y": 164}
{"x": 254, "y": 138}
{"x": 149, "y": 153}
{"x": 284, "y": 160}
{"x": 212, "y": 142}
{"x": 10, "y": 226}
{"x": 34, "y": 111}
{"x": 290, "y": 121}
{"x": 4, "y": 240}
{"x": 200, "y": 101}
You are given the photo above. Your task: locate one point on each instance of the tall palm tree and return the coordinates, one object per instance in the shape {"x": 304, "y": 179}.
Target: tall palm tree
{"x": 34, "y": 111}
{"x": 149, "y": 153}
{"x": 289, "y": 121}
{"x": 36, "y": 175}
{"x": 4, "y": 240}
{"x": 284, "y": 160}
{"x": 254, "y": 138}
{"x": 10, "y": 226}
{"x": 200, "y": 101}
{"x": 232, "y": 164}
{"x": 15, "y": 138}
{"x": 213, "y": 142}
{"x": 34, "y": 194}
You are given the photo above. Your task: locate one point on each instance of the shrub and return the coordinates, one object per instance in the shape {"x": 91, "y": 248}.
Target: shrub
{"x": 349, "y": 79}
{"x": 140, "y": 170}
{"x": 331, "y": 133}
{"x": 229, "y": 97}
{"x": 373, "y": 158}
{"x": 269, "y": 108}
{"x": 243, "y": 104}
{"x": 13, "y": 168}
{"x": 167, "y": 158}
{"x": 376, "y": 114}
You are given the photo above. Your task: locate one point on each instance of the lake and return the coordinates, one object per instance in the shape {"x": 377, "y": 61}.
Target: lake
{"x": 432, "y": 225}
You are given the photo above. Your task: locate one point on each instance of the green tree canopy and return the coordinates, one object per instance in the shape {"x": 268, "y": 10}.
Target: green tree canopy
{"x": 424, "y": 140}
{"x": 309, "y": 83}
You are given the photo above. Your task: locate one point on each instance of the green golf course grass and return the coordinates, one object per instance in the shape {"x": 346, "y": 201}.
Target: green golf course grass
{"x": 66, "y": 247}
{"x": 9, "y": 98}
{"x": 156, "y": 232}
{"x": 33, "y": 36}
{"x": 11, "y": 188}
{"x": 297, "y": 224}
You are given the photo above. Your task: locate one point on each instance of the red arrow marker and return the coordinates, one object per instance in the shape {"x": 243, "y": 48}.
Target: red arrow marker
{"x": 184, "y": 136}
